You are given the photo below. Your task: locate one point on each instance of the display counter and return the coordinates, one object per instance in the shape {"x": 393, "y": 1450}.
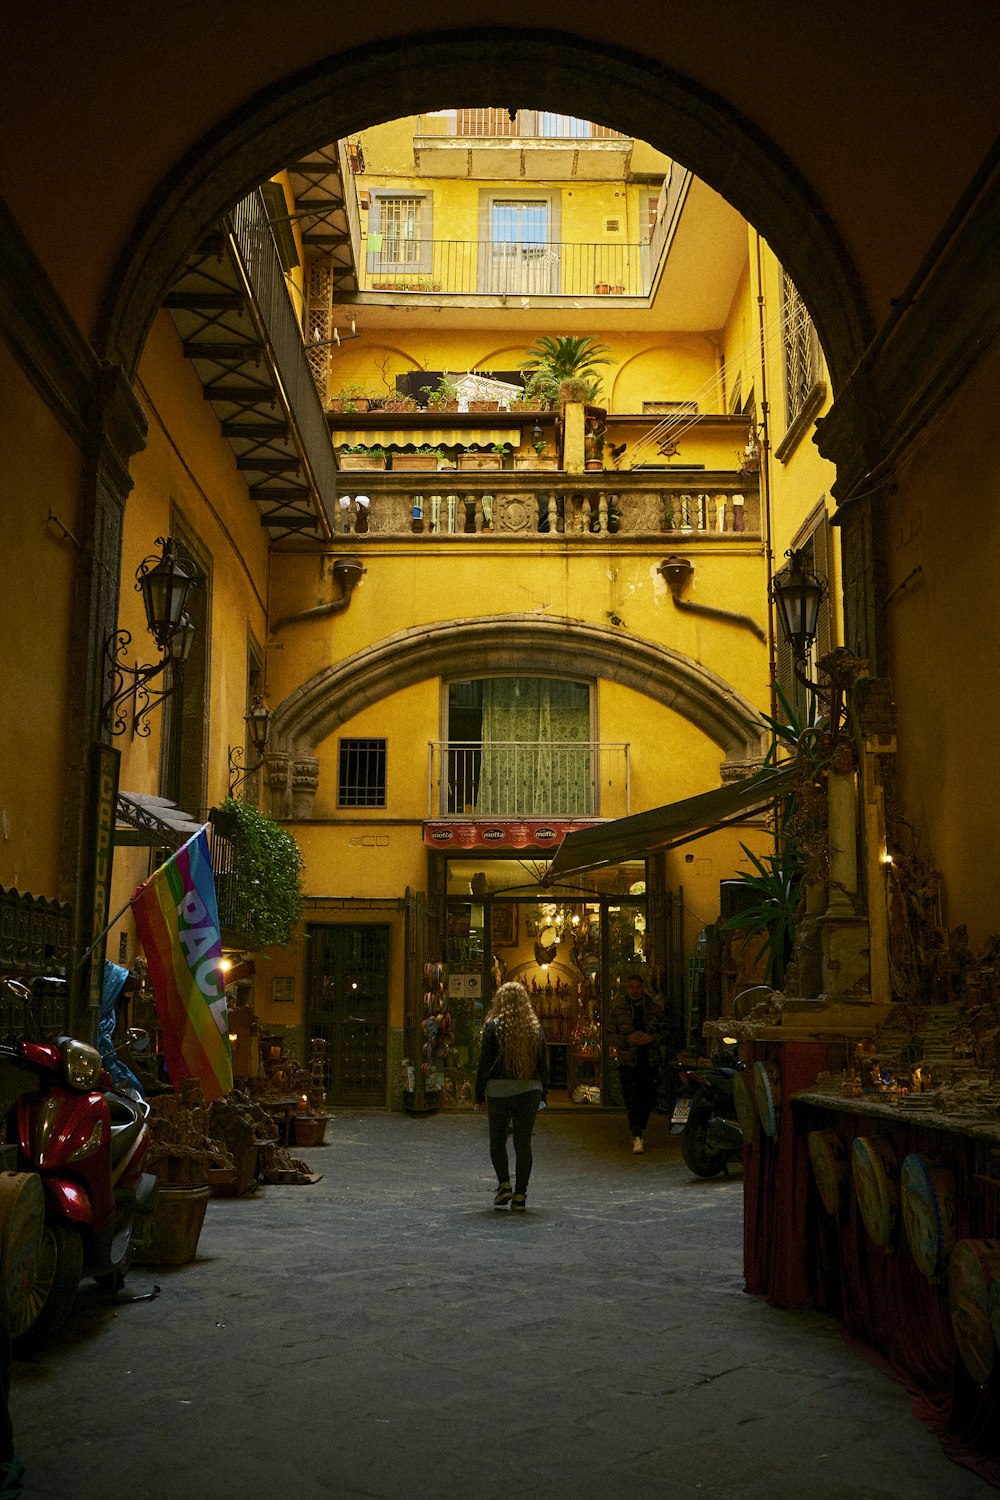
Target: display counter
{"x": 803, "y": 1252}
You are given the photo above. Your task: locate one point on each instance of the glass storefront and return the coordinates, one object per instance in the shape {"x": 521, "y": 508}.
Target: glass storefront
{"x": 570, "y": 947}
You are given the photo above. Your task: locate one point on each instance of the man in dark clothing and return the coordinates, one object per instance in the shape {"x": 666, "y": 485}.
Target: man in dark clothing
{"x": 637, "y": 1025}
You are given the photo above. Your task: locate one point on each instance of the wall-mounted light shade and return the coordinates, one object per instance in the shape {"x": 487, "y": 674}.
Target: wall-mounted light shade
{"x": 797, "y": 593}
{"x": 164, "y": 587}
{"x": 258, "y": 720}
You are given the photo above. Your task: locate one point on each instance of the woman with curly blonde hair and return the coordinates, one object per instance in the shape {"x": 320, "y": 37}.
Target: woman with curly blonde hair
{"x": 513, "y": 1079}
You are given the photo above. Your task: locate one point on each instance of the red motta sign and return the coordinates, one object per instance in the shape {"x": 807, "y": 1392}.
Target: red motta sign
{"x": 540, "y": 834}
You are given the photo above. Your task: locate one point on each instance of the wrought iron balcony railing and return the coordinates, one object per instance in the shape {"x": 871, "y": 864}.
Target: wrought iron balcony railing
{"x": 512, "y": 779}
{"x": 530, "y": 124}
{"x": 393, "y": 263}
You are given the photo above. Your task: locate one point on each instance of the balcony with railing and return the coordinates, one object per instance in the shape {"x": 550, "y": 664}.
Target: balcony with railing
{"x": 510, "y": 779}
{"x": 506, "y": 268}
{"x": 537, "y": 144}
{"x": 526, "y": 505}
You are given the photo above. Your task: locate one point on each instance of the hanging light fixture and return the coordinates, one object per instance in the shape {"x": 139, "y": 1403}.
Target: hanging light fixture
{"x": 164, "y": 583}
{"x": 258, "y": 721}
{"x": 798, "y": 593}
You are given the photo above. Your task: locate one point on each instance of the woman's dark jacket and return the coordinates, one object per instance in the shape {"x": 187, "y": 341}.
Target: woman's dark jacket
{"x": 491, "y": 1062}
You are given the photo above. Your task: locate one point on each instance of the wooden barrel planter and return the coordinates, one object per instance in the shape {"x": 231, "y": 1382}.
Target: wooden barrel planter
{"x": 180, "y": 1214}
{"x": 309, "y": 1130}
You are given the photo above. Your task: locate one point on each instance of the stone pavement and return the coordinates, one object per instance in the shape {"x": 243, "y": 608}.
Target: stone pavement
{"x": 386, "y": 1333}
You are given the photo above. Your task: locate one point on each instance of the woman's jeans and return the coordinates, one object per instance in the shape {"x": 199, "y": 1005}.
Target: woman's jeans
{"x": 517, "y": 1111}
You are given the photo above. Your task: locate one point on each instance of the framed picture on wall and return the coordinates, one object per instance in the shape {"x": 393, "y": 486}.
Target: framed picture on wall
{"x": 504, "y": 924}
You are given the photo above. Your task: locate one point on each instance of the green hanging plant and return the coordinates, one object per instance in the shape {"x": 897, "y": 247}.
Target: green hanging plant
{"x": 262, "y": 897}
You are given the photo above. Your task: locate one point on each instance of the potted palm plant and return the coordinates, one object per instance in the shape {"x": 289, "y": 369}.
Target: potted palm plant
{"x": 567, "y": 357}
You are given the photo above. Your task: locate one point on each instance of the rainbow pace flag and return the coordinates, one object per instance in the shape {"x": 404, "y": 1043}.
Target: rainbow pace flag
{"x": 177, "y": 916}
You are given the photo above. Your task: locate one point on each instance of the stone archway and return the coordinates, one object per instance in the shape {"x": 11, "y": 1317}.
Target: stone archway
{"x": 547, "y": 70}
{"x": 501, "y": 644}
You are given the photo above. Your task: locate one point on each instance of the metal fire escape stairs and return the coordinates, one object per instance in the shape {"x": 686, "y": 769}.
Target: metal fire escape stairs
{"x": 232, "y": 310}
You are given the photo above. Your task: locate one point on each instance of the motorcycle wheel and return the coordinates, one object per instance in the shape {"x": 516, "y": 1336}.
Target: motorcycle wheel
{"x": 49, "y": 1298}
{"x": 698, "y": 1156}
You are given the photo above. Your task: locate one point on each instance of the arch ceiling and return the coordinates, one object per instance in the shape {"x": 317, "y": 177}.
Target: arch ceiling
{"x": 408, "y": 76}
{"x": 529, "y": 645}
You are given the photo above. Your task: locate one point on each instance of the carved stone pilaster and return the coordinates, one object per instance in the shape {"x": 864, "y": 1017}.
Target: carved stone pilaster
{"x": 277, "y": 770}
{"x": 305, "y": 780}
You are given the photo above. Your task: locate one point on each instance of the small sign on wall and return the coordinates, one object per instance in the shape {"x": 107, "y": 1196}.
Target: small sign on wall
{"x": 283, "y": 989}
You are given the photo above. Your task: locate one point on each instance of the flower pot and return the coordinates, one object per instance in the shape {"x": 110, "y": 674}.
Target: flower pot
{"x": 593, "y": 465}
{"x": 309, "y": 1130}
{"x": 348, "y": 403}
{"x": 414, "y": 461}
{"x": 602, "y": 288}
{"x": 442, "y": 406}
{"x": 350, "y": 461}
{"x": 479, "y": 461}
{"x": 484, "y": 405}
{"x": 180, "y": 1213}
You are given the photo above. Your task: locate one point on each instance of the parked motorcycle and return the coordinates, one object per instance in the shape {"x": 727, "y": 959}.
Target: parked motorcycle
{"x": 87, "y": 1140}
{"x": 712, "y": 1134}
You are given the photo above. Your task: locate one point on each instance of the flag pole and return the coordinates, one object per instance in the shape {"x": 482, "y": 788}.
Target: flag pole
{"x": 122, "y": 910}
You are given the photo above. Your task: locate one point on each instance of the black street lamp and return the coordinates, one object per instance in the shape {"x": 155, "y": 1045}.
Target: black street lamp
{"x": 798, "y": 593}
{"x": 164, "y": 583}
{"x": 258, "y": 721}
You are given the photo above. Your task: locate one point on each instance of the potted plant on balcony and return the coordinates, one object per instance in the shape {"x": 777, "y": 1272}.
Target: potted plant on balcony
{"x": 360, "y": 456}
{"x": 422, "y": 458}
{"x": 539, "y": 394}
{"x": 443, "y": 396}
{"x": 398, "y": 401}
{"x": 260, "y": 898}
{"x": 594, "y": 433}
{"x": 351, "y": 397}
{"x": 478, "y": 458}
{"x": 568, "y": 357}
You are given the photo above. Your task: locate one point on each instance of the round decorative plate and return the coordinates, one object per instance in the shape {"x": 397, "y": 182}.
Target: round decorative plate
{"x": 746, "y": 1109}
{"x": 22, "y": 1220}
{"x": 830, "y": 1168}
{"x": 876, "y": 1187}
{"x": 972, "y": 1270}
{"x": 929, "y": 1213}
{"x": 767, "y": 1096}
{"x": 995, "y": 1311}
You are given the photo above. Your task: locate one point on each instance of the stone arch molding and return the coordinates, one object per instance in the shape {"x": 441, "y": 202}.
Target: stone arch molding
{"x": 537, "y": 69}
{"x": 499, "y": 645}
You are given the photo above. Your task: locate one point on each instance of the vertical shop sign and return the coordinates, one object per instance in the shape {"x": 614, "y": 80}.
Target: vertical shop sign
{"x": 104, "y": 801}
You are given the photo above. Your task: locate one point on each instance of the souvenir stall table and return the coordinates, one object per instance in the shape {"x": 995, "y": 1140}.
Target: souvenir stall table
{"x": 886, "y": 1214}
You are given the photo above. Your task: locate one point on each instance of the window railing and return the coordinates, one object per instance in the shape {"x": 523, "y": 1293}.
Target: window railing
{"x": 510, "y": 779}
{"x": 526, "y": 124}
{"x": 525, "y": 505}
{"x": 505, "y": 267}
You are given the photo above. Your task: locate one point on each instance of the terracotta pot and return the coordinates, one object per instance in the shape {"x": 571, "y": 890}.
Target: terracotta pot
{"x": 361, "y": 461}
{"x": 484, "y": 405}
{"x": 413, "y": 461}
{"x": 479, "y": 461}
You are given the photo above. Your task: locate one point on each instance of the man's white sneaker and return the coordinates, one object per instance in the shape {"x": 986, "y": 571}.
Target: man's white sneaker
{"x": 637, "y": 1147}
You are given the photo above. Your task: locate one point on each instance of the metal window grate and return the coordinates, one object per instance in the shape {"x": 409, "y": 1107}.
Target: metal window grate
{"x": 361, "y": 780}
{"x": 799, "y": 339}
{"x": 401, "y": 229}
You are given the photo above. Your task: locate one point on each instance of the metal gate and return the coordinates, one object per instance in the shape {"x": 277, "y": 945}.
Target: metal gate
{"x": 348, "y": 1005}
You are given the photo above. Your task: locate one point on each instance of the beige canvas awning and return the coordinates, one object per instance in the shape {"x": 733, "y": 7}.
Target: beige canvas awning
{"x": 433, "y": 437}
{"x": 663, "y": 827}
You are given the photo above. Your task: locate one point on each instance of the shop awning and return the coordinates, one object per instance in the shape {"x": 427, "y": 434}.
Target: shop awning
{"x": 152, "y": 822}
{"x": 663, "y": 827}
{"x": 433, "y": 437}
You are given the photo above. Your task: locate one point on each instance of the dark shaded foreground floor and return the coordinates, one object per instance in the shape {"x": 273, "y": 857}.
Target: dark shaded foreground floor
{"x": 385, "y": 1333}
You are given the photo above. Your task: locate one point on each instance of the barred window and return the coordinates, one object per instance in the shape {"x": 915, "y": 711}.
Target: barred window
{"x": 401, "y": 230}
{"x": 801, "y": 349}
{"x": 361, "y": 780}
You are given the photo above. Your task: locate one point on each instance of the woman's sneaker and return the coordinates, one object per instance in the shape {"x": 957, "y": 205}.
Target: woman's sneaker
{"x": 519, "y": 1202}
{"x": 503, "y": 1195}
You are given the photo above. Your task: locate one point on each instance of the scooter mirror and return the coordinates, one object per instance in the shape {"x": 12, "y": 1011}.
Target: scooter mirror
{"x": 137, "y": 1038}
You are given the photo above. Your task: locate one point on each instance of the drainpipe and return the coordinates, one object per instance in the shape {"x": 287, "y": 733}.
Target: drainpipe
{"x": 347, "y": 571}
{"x": 765, "y": 485}
{"x": 677, "y": 571}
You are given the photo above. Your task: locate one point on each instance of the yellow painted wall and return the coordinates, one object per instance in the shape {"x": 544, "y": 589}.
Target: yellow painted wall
{"x": 186, "y": 478}
{"x": 40, "y": 473}
{"x": 944, "y": 640}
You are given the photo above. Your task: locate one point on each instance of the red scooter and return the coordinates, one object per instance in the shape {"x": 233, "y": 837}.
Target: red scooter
{"x": 87, "y": 1141}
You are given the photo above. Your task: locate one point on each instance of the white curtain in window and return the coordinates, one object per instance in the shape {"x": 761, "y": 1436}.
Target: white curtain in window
{"x": 536, "y": 757}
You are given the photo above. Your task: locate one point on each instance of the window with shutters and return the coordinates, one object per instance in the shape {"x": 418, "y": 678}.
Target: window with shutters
{"x": 400, "y": 232}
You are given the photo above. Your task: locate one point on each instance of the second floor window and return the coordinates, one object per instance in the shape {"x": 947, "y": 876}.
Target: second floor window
{"x": 801, "y": 349}
{"x": 361, "y": 774}
{"x": 401, "y": 230}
